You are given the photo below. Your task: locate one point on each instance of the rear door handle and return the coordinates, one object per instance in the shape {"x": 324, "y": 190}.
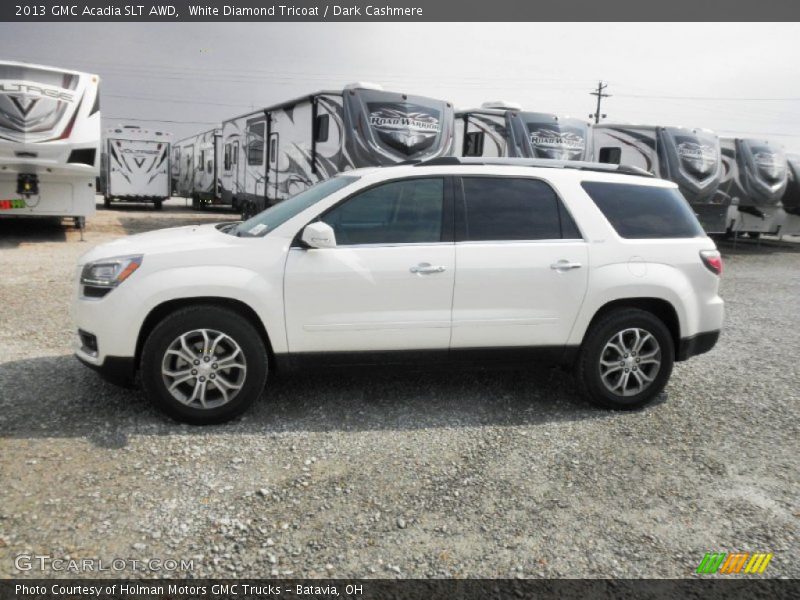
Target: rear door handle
{"x": 565, "y": 265}
{"x": 427, "y": 268}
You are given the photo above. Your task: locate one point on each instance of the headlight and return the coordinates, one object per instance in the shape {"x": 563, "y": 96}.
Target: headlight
{"x": 109, "y": 273}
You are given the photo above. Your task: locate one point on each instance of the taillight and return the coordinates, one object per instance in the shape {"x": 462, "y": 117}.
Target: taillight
{"x": 712, "y": 260}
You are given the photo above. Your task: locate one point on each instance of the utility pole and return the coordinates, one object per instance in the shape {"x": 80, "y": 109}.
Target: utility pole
{"x": 600, "y": 95}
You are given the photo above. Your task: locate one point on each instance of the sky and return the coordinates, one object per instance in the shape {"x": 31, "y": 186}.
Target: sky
{"x": 737, "y": 79}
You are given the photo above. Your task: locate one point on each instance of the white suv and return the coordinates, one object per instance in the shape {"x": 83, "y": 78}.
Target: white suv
{"x": 452, "y": 260}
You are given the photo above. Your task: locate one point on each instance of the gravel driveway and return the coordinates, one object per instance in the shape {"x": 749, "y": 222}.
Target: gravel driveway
{"x": 399, "y": 475}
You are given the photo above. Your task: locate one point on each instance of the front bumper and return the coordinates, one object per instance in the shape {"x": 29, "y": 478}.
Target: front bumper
{"x": 119, "y": 370}
{"x": 697, "y": 344}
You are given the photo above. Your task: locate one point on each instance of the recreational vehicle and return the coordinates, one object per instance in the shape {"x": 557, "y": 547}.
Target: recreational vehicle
{"x": 137, "y": 165}
{"x": 754, "y": 178}
{"x": 687, "y": 157}
{"x": 271, "y": 154}
{"x": 790, "y": 218}
{"x": 503, "y": 129}
{"x": 49, "y": 141}
{"x": 197, "y": 177}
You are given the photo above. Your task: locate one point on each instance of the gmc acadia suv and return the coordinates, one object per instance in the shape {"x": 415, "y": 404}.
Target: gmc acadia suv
{"x": 466, "y": 262}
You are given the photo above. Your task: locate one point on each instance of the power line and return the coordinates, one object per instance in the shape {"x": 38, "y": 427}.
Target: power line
{"x": 162, "y": 121}
{"x": 727, "y": 98}
{"x": 178, "y": 100}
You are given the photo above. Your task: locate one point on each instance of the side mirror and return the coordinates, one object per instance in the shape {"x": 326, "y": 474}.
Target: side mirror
{"x": 319, "y": 235}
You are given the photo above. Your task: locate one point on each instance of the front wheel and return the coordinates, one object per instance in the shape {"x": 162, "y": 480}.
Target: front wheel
{"x": 204, "y": 364}
{"x": 626, "y": 359}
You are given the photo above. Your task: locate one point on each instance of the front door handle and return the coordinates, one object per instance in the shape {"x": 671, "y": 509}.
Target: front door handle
{"x": 427, "y": 268}
{"x": 565, "y": 265}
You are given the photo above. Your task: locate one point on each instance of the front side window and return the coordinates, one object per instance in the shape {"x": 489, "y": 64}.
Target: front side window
{"x": 508, "y": 209}
{"x": 644, "y": 211}
{"x": 278, "y": 214}
{"x": 399, "y": 212}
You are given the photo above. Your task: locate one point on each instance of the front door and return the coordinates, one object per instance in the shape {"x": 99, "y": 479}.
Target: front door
{"x": 387, "y": 285}
{"x": 522, "y": 265}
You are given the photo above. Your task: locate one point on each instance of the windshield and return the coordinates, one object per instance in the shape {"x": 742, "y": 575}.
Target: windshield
{"x": 277, "y": 215}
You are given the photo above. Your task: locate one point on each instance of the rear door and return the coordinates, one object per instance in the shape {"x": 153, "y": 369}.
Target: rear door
{"x": 522, "y": 265}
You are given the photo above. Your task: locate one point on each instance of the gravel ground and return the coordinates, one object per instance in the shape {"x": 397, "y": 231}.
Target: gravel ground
{"x": 407, "y": 475}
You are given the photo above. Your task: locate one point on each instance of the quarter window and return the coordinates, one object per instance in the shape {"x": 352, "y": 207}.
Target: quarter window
{"x": 473, "y": 143}
{"x": 399, "y": 212}
{"x": 503, "y": 209}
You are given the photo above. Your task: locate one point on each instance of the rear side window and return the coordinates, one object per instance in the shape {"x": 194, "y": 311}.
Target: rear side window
{"x": 643, "y": 211}
{"x": 507, "y": 209}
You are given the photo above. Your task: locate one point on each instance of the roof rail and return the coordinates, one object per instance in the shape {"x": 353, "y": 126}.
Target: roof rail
{"x": 446, "y": 161}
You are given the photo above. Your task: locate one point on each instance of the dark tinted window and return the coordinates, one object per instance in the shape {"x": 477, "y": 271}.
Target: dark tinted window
{"x": 400, "y": 212}
{"x": 255, "y": 144}
{"x": 473, "y": 144}
{"x": 643, "y": 211}
{"x": 610, "y": 155}
{"x": 502, "y": 208}
{"x": 322, "y": 125}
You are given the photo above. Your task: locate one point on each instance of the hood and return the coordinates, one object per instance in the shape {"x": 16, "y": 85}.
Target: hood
{"x": 163, "y": 241}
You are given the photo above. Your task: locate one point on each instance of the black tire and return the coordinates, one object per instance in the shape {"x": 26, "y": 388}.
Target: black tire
{"x": 158, "y": 204}
{"x": 589, "y": 377}
{"x": 107, "y": 202}
{"x": 204, "y": 317}
{"x": 196, "y": 203}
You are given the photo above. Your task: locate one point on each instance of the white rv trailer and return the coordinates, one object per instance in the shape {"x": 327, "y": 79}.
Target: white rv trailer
{"x": 754, "y": 177}
{"x": 196, "y": 168}
{"x": 271, "y": 154}
{"x": 689, "y": 157}
{"x": 503, "y": 129}
{"x": 49, "y": 141}
{"x": 789, "y": 219}
{"x": 137, "y": 164}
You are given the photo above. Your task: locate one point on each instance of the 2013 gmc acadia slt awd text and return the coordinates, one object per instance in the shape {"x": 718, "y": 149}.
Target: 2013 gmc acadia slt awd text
{"x": 460, "y": 261}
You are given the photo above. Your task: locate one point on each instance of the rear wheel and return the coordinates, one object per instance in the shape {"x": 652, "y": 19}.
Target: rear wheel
{"x": 204, "y": 364}
{"x": 107, "y": 202}
{"x": 626, "y": 359}
{"x": 158, "y": 204}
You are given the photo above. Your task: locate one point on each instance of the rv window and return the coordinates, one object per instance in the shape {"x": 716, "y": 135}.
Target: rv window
{"x": 255, "y": 144}
{"x": 273, "y": 149}
{"x": 502, "y": 208}
{"x": 400, "y": 212}
{"x": 321, "y": 128}
{"x": 227, "y": 157}
{"x": 210, "y": 167}
{"x": 473, "y": 144}
{"x": 611, "y": 155}
{"x": 236, "y": 153}
{"x": 644, "y": 211}
{"x": 202, "y": 160}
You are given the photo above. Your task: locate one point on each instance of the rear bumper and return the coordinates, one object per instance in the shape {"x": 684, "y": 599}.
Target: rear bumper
{"x": 119, "y": 370}
{"x": 697, "y": 344}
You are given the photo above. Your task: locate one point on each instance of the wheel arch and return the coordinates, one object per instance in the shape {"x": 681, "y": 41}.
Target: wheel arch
{"x": 658, "y": 307}
{"x": 157, "y": 314}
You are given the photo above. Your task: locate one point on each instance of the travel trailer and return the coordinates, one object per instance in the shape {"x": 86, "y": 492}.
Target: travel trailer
{"x": 754, "y": 178}
{"x": 790, "y": 218}
{"x": 49, "y": 141}
{"x": 503, "y": 129}
{"x": 271, "y": 154}
{"x": 687, "y": 157}
{"x": 137, "y": 164}
{"x": 197, "y": 173}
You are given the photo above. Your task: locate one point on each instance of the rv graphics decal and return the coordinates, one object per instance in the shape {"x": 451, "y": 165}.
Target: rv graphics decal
{"x": 409, "y": 128}
{"x": 770, "y": 164}
{"x": 552, "y": 143}
{"x": 701, "y": 159}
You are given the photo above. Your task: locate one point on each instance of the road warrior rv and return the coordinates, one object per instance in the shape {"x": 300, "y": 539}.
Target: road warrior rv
{"x": 500, "y": 129}
{"x": 754, "y": 178}
{"x": 197, "y": 173}
{"x": 137, "y": 164}
{"x": 688, "y": 157}
{"x": 49, "y": 141}
{"x": 271, "y": 154}
{"x": 790, "y": 219}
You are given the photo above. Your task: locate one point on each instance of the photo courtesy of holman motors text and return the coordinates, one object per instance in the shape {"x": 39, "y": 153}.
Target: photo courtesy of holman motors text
{"x": 398, "y": 300}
